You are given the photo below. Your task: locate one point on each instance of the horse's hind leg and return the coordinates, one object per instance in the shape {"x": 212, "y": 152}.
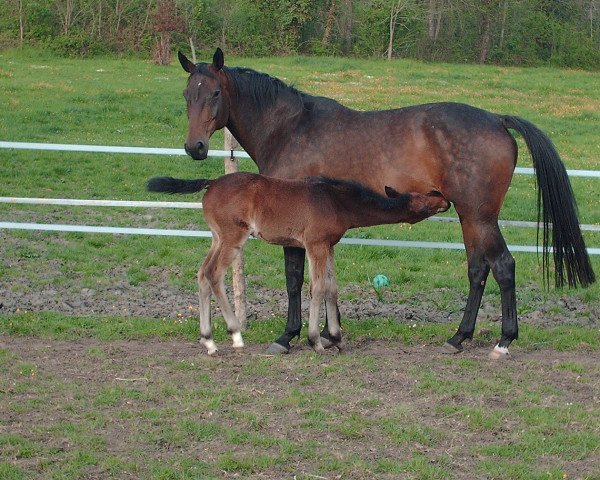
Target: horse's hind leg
{"x": 487, "y": 249}
{"x": 504, "y": 273}
{"x": 478, "y": 273}
{"x": 294, "y": 277}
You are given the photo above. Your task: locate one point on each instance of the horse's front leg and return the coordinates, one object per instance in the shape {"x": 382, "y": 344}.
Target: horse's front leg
{"x": 294, "y": 278}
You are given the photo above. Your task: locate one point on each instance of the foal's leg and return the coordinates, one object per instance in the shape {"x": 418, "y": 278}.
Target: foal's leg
{"x": 317, "y": 264}
{"x": 326, "y": 339}
{"x": 294, "y": 278}
{"x": 332, "y": 325}
{"x": 204, "y": 300}
{"x": 211, "y": 278}
{"x": 222, "y": 259}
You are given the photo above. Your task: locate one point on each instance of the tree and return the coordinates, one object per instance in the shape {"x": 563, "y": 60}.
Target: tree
{"x": 165, "y": 21}
{"x": 399, "y": 8}
{"x": 434, "y": 19}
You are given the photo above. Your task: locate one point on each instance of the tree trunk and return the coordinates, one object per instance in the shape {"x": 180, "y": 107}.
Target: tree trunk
{"x": 486, "y": 36}
{"x": 21, "y": 24}
{"x": 66, "y": 13}
{"x": 393, "y": 16}
{"x": 347, "y": 25}
{"x": 434, "y": 19}
{"x": 329, "y": 22}
{"x": 193, "y": 50}
{"x": 119, "y": 12}
{"x": 503, "y": 27}
{"x": 162, "y": 49}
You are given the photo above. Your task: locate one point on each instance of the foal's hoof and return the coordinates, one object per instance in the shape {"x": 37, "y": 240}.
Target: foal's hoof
{"x": 448, "y": 348}
{"x": 237, "y": 340}
{"x": 277, "y": 349}
{"x": 318, "y": 347}
{"x": 326, "y": 342}
{"x": 499, "y": 353}
{"x": 211, "y": 346}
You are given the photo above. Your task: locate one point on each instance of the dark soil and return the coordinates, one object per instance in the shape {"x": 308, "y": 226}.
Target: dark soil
{"x": 377, "y": 386}
{"x": 158, "y": 298}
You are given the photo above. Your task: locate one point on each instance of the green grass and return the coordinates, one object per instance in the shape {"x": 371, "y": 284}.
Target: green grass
{"x": 358, "y": 415}
{"x": 56, "y": 326}
{"x": 132, "y": 102}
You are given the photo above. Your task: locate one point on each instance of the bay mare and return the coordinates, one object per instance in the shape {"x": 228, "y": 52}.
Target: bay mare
{"x": 312, "y": 214}
{"x": 465, "y": 153}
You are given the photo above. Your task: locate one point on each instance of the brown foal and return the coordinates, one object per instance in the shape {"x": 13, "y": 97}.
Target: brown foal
{"x": 313, "y": 214}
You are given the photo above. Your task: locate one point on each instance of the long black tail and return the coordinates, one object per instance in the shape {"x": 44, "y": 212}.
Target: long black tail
{"x": 557, "y": 209}
{"x": 176, "y": 185}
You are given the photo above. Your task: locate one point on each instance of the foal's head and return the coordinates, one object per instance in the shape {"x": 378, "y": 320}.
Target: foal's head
{"x": 207, "y": 102}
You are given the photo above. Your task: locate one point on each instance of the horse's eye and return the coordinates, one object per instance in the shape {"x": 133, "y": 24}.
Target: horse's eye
{"x": 217, "y": 93}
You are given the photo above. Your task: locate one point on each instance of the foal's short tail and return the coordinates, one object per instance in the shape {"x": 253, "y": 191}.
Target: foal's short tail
{"x": 176, "y": 185}
{"x": 557, "y": 209}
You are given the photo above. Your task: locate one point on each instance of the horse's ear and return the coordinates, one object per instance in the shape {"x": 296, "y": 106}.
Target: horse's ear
{"x": 218, "y": 59}
{"x": 390, "y": 192}
{"x": 185, "y": 63}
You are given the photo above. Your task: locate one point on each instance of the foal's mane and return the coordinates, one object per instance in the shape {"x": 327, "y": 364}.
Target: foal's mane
{"x": 356, "y": 192}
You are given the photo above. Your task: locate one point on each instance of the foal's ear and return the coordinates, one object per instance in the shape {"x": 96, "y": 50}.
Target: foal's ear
{"x": 185, "y": 63}
{"x": 218, "y": 59}
{"x": 390, "y": 192}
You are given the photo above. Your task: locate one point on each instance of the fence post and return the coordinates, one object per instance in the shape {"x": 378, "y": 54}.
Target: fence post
{"x": 239, "y": 283}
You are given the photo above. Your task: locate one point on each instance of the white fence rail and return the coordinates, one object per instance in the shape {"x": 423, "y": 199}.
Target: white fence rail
{"x": 192, "y": 205}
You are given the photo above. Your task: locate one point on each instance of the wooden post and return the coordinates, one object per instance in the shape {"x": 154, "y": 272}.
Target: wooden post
{"x": 193, "y": 50}
{"x": 239, "y": 283}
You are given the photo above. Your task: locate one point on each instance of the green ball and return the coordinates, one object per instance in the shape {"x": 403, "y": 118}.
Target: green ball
{"x": 380, "y": 281}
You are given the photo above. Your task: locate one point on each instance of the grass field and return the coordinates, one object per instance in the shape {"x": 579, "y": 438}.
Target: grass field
{"x": 133, "y": 397}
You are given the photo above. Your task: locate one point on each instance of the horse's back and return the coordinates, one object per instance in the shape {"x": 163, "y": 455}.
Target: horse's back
{"x": 456, "y": 149}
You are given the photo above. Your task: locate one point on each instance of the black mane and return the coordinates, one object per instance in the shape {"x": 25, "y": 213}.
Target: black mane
{"x": 264, "y": 90}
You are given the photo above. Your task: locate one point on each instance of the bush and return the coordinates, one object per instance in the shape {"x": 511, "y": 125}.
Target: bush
{"x": 78, "y": 45}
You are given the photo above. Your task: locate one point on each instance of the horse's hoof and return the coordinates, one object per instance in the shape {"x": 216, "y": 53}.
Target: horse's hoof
{"x": 277, "y": 349}
{"x": 499, "y": 353}
{"x": 448, "y": 348}
{"x": 326, "y": 342}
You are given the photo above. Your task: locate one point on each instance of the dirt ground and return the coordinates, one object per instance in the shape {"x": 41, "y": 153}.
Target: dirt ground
{"x": 376, "y": 386}
{"x": 159, "y": 299}
{"x": 418, "y": 388}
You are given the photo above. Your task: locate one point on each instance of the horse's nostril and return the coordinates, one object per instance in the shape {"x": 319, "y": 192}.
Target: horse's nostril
{"x": 200, "y": 146}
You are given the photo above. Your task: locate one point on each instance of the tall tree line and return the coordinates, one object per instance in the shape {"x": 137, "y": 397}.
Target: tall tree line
{"x": 511, "y": 32}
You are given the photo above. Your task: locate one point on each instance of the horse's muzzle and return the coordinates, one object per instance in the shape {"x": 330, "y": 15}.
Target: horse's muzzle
{"x": 198, "y": 151}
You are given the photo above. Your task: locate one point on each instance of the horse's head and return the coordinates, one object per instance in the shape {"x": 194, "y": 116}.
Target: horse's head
{"x": 207, "y": 102}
